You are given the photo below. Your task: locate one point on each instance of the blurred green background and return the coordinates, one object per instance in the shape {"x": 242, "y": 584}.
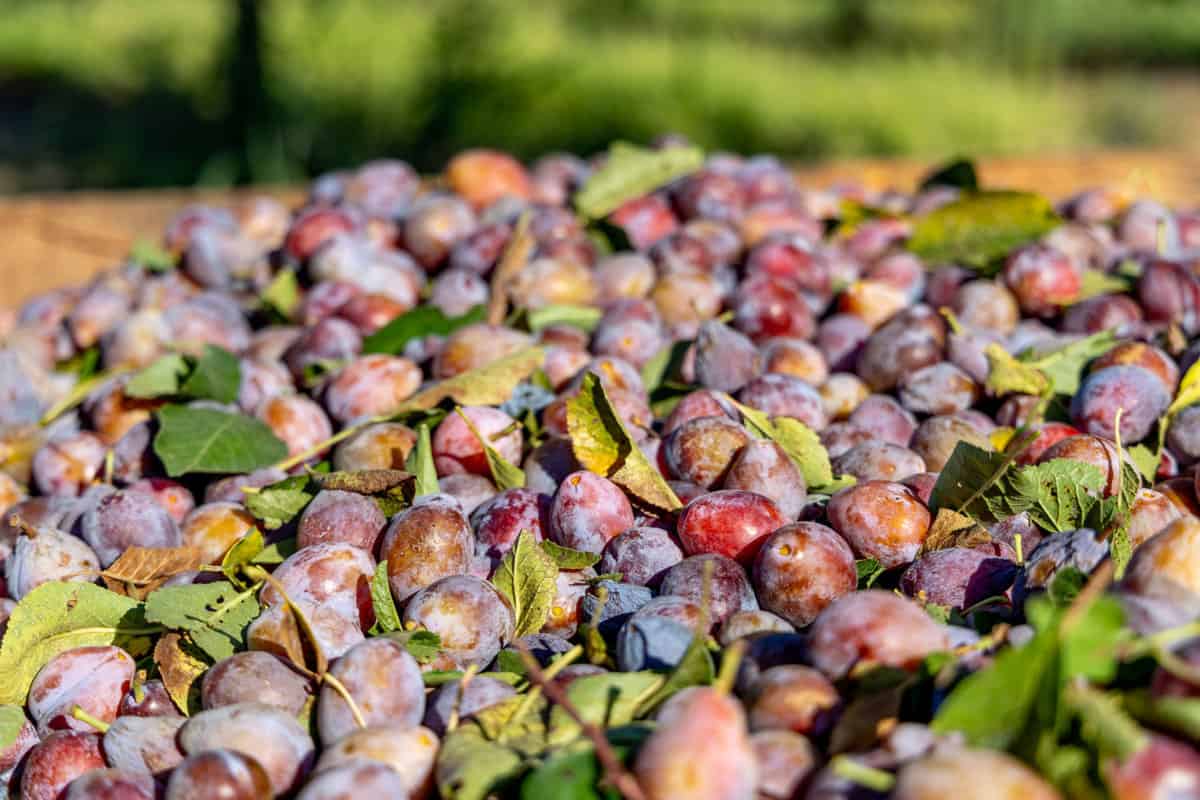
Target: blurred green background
{"x": 121, "y": 93}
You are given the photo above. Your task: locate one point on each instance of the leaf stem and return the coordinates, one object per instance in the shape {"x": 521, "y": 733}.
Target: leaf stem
{"x": 78, "y": 713}
{"x": 332, "y": 681}
{"x": 731, "y": 660}
{"x": 615, "y": 774}
{"x": 862, "y": 775}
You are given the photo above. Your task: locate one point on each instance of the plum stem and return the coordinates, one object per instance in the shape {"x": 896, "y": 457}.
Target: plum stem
{"x": 78, "y": 713}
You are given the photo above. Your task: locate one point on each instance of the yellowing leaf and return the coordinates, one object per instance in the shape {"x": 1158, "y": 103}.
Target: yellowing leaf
{"x": 630, "y": 172}
{"x": 800, "y": 442}
{"x": 490, "y": 385}
{"x": 59, "y": 616}
{"x": 1189, "y": 390}
{"x": 1007, "y": 375}
{"x": 981, "y": 227}
{"x": 603, "y": 445}
{"x": 505, "y": 474}
{"x": 1001, "y": 437}
{"x": 180, "y": 668}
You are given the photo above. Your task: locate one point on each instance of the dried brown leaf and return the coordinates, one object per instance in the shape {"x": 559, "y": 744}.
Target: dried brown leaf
{"x": 952, "y": 529}
{"x": 366, "y": 481}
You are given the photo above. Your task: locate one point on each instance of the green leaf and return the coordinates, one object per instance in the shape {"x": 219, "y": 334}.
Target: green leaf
{"x": 868, "y": 570}
{"x": 1179, "y": 715}
{"x": 1063, "y": 365}
{"x": 572, "y": 774}
{"x": 424, "y": 646}
{"x": 214, "y": 615}
{"x": 216, "y": 376}
{"x": 603, "y": 445}
{"x": 980, "y": 228}
{"x": 1058, "y": 495}
{"x": 151, "y": 257}
{"x": 993, "y": 707}
{"x": 1091, "y": 645}
{"x": 526, "y": 577}
{"x": 694, "y": 669}
{"x": 968, "y": 474}
{"x": 1065, "y": 586}
{"x": 191, "y": 440}
{"x": 631, "y": 172}
{"x": 569, "y": 559}
{"x": 585, "y": 318}
{"x": 428, "y": 320}
{"x": 243, "y": 552}
{"x": 1146, "y": 461}
{"x": 160, "y": 379}
{"x": 958, "y": 174}
{"x": 281, "y": 502}
{"x": 275, "y": 553}
{"x": 282, "y": 293}
{"x": 470, "y": 767}
{"x": 12, "y": 721}
{"x": 510, "y": 661}
{"x": 505, "y": 474}
{"x": 84, "y": 365}
{"x": 58, "y": 616}
{"x": 387, "y": 618}
{"x": 665, "y": 365}
{"x": 420, "y": 464}
{"x": 607, "y": 700}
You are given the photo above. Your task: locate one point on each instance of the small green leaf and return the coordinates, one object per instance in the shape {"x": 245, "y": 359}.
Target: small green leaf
{"x": 994, "y": 706}
{"x": 585, "y": 318}
{"x": 420, "y": 464}
{"x": 280, "y": 503}
{"x": 968, "y": 474}
{"x": 243, "y": 552}
{"x": 980, "y": 228}
{"x": 214, "y": 615}
{"x": 1179, "y": 715}
{"x": 1058, "y": 495}
{"x": 428, "y": 320}
{"x": 283, "y": 293}
{"x": 1063, "y": 365}
{"x": 694, "y": 669}
{"x": 510, "y": 661}
{"x": 489, "y": 385}
{"x": 958, "y": 174}
{"x": 216, "y": 376}
{"x": 869, "y": 570}
{"x": 160, "y": 379}
{"x": 84, "y": 365}
{"x": 526, "y": 577}
{"x": 801, "y": 444}
{"x": 151, "y": 257}
{"x": 505, "y": 474}
{"x": 1065, "y": 586}
{"x": 603, "y": 445}
{"x": 12, "y": 721}
{"x": 569, "y": 559}
{"x": 572, "y": 774}
{"x": 471, "y": 767}
{"x": 630, "y": 172}
{"x": 1146, "y": 461}
{"x": 58, "y": 616}
{"x": 205, "y": 440}
{"x": 424, "y": 646}
{"x": 665, "y": 365}
{"x": 275, "y": 553}
{"x": 387, "y": 618}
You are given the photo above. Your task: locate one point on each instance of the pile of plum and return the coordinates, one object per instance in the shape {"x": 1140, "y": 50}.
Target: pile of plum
{"x": 652, "y": 475}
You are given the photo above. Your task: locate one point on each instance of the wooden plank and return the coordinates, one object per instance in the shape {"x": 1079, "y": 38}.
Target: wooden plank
{"x": 60, "y": 239}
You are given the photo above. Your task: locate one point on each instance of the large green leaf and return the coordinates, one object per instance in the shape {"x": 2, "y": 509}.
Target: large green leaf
{"x": 980, "y": 228}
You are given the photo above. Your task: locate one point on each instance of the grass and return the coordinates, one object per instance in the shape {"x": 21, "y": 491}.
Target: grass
{"x": 113, "y": 92}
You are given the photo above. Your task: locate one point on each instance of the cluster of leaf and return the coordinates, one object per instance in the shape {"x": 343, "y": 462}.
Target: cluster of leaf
{"x": 548, "y": 749}
{"x": 279, "y": 503}
{"x": 1068, "y": 701}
